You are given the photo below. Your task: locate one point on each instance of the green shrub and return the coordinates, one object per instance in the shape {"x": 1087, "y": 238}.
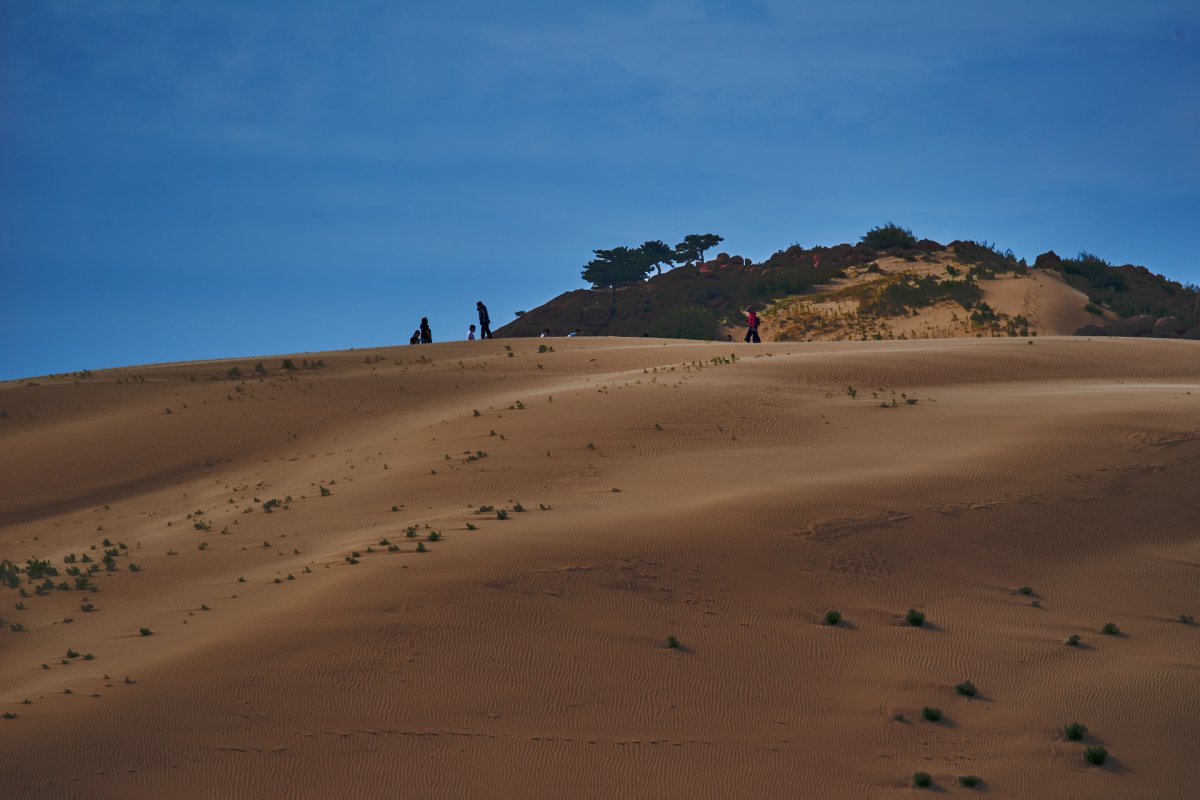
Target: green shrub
{"x": 1110, "y": 629}
{"x": 672, "y": 642}
{"x": 931, "y": 714}
{"x": 1095, "y": 755}
{"x": 922, "y": 780}
{"x": 434, "y": 536}
{"x": 1073, "y": 640}
{"x": 966, "y": 689}
{"x": 501, "y": 514}
{"x": 969, "y": 781}
{"x": 887, "y": 236}
{"x": 914, "y": 618}
{"x": 420, "y": 547}
{"x": 690, "y": 322}
{"x": 145, "y": 632}
{"x": 833, "y": 617}
{"x": 1187, "y": 619}
{"x": 1075, "y": 731}
{"x": 288, "y": 364}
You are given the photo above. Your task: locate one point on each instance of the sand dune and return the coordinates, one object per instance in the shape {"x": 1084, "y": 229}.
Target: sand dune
{"x": 726, "y": 495}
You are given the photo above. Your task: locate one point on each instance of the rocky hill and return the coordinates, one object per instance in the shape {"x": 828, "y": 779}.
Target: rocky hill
{"x": 921, "y": 290}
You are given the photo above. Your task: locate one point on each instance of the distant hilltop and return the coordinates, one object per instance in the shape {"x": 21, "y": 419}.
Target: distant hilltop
{"x": 889, "y": 285}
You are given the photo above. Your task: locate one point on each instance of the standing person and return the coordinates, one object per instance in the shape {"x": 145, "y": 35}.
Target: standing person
{"x": 415, "y": 338}
{"x": 485, "y": 322}
{"x": 471, "y": 334}
{"x": 752, "y": 326}
{"x": 426, "y": 334}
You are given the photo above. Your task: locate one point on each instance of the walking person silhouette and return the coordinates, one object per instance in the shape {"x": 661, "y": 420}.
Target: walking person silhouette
{"x": 426, "y": 333}
{"x": 485, "y": 322}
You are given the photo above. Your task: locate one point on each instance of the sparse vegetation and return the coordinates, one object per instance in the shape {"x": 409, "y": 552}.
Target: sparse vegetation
{"x": 420, "y": 547}
{"x": 501, "y": 514}
{"x": 145, "y": 632}
{"x": 1110, "y": 629}
{"x": 969, "y": 781}
{"x": 922, "y": 780}
{"x": 1073, "y": 640}
{"x": 931, "y": 714}
{"x": 1187, "y": 619}
{"x": 966, "y": 689}
{"x": 914, "y": 618}
{"x": 1075, "y": 731}
{"x": 833, "y": 617}
{"x": 672, "y": 642}
{"x": 1095, "y": 755}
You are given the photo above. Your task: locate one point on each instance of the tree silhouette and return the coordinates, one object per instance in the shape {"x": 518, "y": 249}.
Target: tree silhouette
{"x": 655, "y": 254}
{"x": 694, "y": 244}
{"x": 619, "y": 266}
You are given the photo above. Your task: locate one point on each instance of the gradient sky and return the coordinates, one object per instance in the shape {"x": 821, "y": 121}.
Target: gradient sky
{"x": 183, "y": 180}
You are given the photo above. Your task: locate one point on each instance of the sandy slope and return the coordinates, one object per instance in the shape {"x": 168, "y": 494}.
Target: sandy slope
{"x": 526, "y": 658}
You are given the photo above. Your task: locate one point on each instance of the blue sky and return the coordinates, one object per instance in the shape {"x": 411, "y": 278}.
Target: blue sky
{"x": 185, "y": 180}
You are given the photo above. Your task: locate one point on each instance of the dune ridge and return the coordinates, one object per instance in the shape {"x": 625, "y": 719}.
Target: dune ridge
{"x": 726, "y": 495}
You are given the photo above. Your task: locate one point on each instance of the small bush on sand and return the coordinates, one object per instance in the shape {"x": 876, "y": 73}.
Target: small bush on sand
{"x": 420, "y": 547}
{"x": 672, "y": 642}
{"x": 833, "y": 617}
{"x": 1187, "y": 619}
{"x": 922, "y": 780}
{"x": 145, "y": 632}
{"x": 914, "y": 618}
{"x": 1075, "y": 732}
{"x": 1095, "y": 755}
{"x": 1110, "y": 629}
{"x": 501, "y": 514}
{"x": 930, "y": 714}
{"x": 969, "y": 781}
{"x": 1073, "y": 640}
{"x": 434, "y": 536}
{"x": 966, "y": 689}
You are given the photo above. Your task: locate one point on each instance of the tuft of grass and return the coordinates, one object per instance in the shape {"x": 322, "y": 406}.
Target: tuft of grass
{"x": 914, "y": 618}
{"x": 420, "y": 547}
{"x": 1073, "y": 640}
{"x": 475, "y": 413}
{"x": 969, "y": 781}
{"x": 325, "y": 491}
{"x": 966, "y": 689}
{"x": 145, "y": 632}
{"x": 1025, "y": 590}
{"x": 931, "y": 714}
{"x": 1110, "y": 629}
{"x": 851, "y": 392}
{"x": 672, "y": 642}
{"x": 501, "y": 514}
{"x": 922, "y": 780}
{"x": 434, "y": 536}
{"x": 8, "y": 715}
{"x": 1075, "y": 731}
{"x": 71, "y": 653}
{"x": 1187, "y": 619}
{"x": 1095, "y": 755}
{"x": 471, "y": 527}
{"x": 899, "y": 717}
{"x": 518, "y": 507}
{"x": 833, "y": 617}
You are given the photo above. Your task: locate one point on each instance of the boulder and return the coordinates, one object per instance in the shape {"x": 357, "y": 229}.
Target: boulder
{"x": 1047, "y": 260}
{"x": 1091, "y": 330}
{"x": 1170, "y": 328}
{"x": 1193, "y": 334}
{"x": 1141, "y": 325}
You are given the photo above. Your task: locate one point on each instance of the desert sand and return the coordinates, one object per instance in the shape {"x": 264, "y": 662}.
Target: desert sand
{"x": 725, "y": 495}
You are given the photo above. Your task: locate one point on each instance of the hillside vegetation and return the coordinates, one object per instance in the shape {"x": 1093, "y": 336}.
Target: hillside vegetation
{"x": 887, "y": 286}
